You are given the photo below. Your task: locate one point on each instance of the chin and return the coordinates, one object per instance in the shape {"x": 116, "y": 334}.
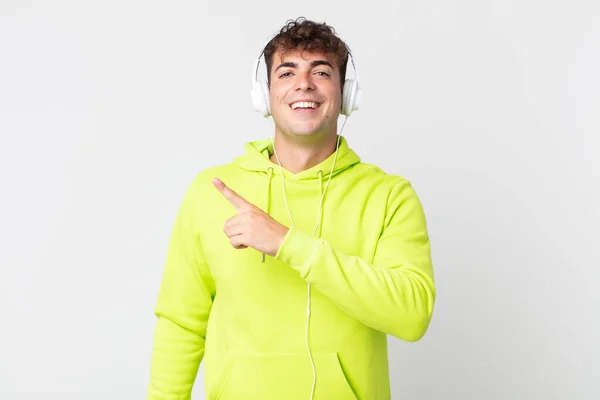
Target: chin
{"x": 303, "y": 130}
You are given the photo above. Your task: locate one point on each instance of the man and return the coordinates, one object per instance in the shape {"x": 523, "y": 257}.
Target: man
{"x": 287, "y": 268}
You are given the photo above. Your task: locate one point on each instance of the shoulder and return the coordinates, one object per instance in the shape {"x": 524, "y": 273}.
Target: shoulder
{"x": 393, "y": 190}
{"x": 377, "y": 177}
{"x": 203, "y": 178}
{"x": 396, "y": 193}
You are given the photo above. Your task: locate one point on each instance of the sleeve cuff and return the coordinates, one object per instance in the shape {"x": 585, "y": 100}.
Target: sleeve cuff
{"x": 298, "y": 250}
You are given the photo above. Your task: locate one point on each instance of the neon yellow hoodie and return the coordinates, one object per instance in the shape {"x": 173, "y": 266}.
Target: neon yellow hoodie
{"x": 369, "y": 267}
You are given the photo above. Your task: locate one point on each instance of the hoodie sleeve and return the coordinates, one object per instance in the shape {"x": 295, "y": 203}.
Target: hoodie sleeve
{"x": 396, "y": 293}
{"x": 184, "y": 301}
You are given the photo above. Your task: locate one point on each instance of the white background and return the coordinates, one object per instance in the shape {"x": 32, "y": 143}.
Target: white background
{"x": 108, "y": 109}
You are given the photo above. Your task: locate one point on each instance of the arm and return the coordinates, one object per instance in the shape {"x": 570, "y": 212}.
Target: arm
{"x": 184, "y": 301}
{"x": 396, "y": 293}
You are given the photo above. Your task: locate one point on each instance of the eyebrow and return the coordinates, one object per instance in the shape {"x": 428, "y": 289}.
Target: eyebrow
{"x": 313, "y": 64}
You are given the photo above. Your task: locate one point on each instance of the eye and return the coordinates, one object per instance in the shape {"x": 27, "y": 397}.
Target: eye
{"x": 285, "y": 74}
{"x": 322, "y": 73}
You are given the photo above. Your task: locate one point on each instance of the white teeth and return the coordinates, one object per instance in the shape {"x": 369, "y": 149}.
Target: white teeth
{"x": 304, "y": 104}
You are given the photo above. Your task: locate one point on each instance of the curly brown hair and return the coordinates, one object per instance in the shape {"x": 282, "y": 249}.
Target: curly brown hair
{"x": 305, "y": 35}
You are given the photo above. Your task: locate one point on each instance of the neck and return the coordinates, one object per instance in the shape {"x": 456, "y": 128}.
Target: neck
{"x": 299, "y": 153}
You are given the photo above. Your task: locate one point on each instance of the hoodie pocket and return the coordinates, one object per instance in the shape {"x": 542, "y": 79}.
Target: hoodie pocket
{"x": 283, "y": 376}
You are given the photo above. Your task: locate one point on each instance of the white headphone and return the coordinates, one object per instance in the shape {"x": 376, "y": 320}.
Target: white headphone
{"x": 351, "y": 93}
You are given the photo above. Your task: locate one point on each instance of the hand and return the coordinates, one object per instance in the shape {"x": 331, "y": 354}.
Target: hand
{"x": 251, "y": 226}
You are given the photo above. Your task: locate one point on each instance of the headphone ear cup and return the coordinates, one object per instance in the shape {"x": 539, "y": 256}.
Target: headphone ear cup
{"x": 260, "y": 98}
{"x": 350, "y": 97}
{"x": 267, "y": 99}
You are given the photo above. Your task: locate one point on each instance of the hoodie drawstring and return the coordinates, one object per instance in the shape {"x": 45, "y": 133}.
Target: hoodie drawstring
{"x": 320, "y": 202}
{"x": 268, "y": 202}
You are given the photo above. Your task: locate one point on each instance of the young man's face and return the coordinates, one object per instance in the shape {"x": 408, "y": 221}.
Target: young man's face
{"x": 305, "y": 93}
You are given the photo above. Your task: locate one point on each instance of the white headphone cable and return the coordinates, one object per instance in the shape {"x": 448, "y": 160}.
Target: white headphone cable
{"x": 313, "y": 234}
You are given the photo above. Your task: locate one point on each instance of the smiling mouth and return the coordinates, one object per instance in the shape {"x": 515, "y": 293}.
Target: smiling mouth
{"x": 305, "y": 105}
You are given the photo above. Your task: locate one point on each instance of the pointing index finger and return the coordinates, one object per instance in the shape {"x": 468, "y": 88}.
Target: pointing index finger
{"x": 235, "y": 199}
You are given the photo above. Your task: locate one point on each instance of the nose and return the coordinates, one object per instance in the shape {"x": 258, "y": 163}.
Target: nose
{"x": 304, "y": 82}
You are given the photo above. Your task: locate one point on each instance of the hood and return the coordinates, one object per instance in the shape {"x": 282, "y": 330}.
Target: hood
{"x": 256, "y": 159}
